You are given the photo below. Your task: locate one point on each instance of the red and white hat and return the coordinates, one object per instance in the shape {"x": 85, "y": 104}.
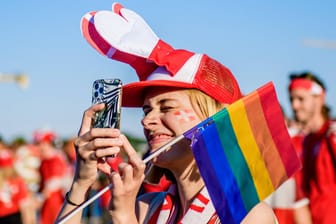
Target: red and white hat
{"x": 123, "y": 35}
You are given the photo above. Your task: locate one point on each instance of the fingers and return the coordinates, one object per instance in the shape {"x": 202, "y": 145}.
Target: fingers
{"x": 92, "y": 148}
{"x": 128, "y": 178}
{"x": 101, "y": 137}
{"x": 133, "y": 170}
{"x": 135, "y": 161}
{"x": 127, "y": 172}
{"x": 98, "y": 143}
{"x": 88, "y": 117}
{"x": 128, "y": 148}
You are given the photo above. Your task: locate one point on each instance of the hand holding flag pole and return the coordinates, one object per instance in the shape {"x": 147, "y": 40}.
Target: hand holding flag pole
{"x": 249, "y": 133}
{"x": 108, "y": 187}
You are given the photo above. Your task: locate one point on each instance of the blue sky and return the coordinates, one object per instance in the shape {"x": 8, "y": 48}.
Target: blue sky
{"x": 260, "y": 41}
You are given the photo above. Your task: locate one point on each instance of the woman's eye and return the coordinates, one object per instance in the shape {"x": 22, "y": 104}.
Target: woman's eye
{"x": 166, "y": 108}
{"x": 145, "y": 112}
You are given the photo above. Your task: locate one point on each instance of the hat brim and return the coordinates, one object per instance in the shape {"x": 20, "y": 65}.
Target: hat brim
{"x": 133, "y": 94}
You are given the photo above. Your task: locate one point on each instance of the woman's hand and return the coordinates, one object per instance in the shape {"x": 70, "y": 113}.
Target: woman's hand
{"x": 126, "y": 184}
{"x": 92, "y": 146}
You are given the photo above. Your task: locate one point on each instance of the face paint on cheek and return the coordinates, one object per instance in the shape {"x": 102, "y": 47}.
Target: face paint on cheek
{"x": 184, "y": 116}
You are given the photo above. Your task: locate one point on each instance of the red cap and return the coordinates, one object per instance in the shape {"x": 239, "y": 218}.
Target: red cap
{"x": 6, "y": 159}
{"x": 199, "y": 72}
{"x": 44, "y": 136}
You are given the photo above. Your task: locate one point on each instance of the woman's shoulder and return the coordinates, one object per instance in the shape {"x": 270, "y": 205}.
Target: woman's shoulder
{"x": 261, "y": 213}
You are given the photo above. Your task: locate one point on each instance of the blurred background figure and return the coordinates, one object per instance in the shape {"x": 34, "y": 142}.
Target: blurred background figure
{"x": 14, "y": 196}
{"x": 55, "y": 173}
{"x": 316, "y": 144}
{"x": 27, "y": 165}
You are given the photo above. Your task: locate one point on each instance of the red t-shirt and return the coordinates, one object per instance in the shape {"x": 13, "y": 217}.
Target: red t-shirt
{"x": 53, "y": 177}
{"x": 297, "y": 141}
{"x": 318, "y": 180}
{"x": 12, "y": 195}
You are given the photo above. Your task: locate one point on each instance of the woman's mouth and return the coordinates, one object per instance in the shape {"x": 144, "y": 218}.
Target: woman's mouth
{"x": 157, "y": 140}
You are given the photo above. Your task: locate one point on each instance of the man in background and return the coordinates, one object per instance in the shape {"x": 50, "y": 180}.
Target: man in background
{"x": 316, "y": 144}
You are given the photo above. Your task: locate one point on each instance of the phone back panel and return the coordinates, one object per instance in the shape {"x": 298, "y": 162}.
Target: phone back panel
{"x": 107, "y": 91}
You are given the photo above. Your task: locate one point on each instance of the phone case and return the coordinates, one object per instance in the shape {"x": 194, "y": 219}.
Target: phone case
{"x": 107, "y": 91}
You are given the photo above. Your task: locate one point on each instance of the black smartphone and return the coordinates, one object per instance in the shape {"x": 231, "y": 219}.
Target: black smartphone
{"x": 107, "y": 91}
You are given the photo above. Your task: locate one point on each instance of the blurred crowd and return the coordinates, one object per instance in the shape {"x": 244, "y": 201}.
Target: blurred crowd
{"x": 34, "y": 177}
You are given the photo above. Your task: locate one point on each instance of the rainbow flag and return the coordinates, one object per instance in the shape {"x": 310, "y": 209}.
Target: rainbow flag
{"x": 244, "y": 153}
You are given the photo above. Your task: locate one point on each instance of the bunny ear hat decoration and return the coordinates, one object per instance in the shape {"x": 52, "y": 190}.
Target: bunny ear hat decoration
{"x": 123, "y": 35}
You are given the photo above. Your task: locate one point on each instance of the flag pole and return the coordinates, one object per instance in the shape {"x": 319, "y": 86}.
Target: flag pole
{"x": 108, "y": 187}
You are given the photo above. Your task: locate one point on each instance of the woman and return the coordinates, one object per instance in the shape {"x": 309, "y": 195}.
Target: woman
{"x": 184, "y": 89}
{"x": 162, "y": 122}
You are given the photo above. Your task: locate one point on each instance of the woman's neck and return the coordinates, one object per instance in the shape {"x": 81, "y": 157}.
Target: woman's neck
{"x": 189, "y": 184}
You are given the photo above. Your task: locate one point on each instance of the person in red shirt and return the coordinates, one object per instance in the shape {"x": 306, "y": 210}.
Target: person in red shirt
{"x": 55, "y": 175}
{"x": 317, "y": 146}
{"x": 13, "y": 191}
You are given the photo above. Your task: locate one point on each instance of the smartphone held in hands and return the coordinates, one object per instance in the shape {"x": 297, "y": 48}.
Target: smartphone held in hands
{"x": 107, "y": 91}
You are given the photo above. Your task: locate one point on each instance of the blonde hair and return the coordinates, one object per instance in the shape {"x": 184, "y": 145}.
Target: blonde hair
{"x": 204, "y": 105}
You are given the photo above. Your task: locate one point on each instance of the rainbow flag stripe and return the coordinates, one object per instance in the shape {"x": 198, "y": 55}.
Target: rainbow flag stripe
{"x": 244, "y": 153}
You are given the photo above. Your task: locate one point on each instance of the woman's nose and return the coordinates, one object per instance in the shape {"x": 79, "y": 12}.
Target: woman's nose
{"x": 150, "y": 119}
